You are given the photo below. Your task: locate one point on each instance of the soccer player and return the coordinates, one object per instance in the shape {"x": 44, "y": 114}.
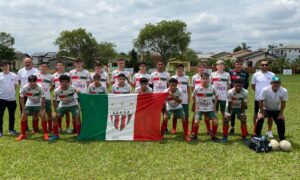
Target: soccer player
{"x": 184, "y": 85}
{"x": 60, "y": 66}
{"x": 141, "y": 74}
{"x": 104, "y": 76}
{"x": 238, "y": 73}
{"x": 174, "y": 107}
{"x": 260, "y": 80}
{"x": 272, "y": 103}
{"x": 121, "y": 87}
{"x": 68, "y": 103}
{"x": 44, "y": 79}
{"x": 35, "y": 105}
{"x": 221, "y": 81}
{"x": 9, "y": 82}
{"x": 120, "y": 70}
{"x": 196, "y": 81}
{"x": 237, "y": 101}
{"x": 97, "y": 87}
{"x": 204, "y": 103}
{"x": 143, "y": 87}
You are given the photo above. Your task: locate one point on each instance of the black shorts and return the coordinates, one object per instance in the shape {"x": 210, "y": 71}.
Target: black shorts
{"x": 272, "y": 114}
{"x": 256, "y": 107}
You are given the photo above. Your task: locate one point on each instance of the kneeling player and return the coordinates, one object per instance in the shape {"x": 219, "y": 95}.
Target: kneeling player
{"x": 35, "y": 105}
{"x": 237, "y": 101}
{"x": 143, "y": 87}
{"x": 174, "y": 107}
{"x": 97, "y": 87}
{"x": 121, "y": 87}
{"x": 205, "y": 104}
{"x": 67, "y": 103}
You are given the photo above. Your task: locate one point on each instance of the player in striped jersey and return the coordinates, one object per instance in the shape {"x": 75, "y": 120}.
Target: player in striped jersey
{"x": 141, "y": 74}
{"x": 196, "y": 81}
{"x": 104, "y": 75}
{"x": 68, "y": 103}
{"x": 120, "y": 70}
{"x": 44, "y": 79}
{"x": 144, "y": 87}
{"x": 35, "y": 105}
{"x": 80, "y": 78}
{"x": 60, "y": 66}
{"x": 184, "y": 85}
{"x": 205, "y": 98}
{"x": 121, "y": 87}
{"x": 97, "y": 87}
{"x": 221, "y": 81}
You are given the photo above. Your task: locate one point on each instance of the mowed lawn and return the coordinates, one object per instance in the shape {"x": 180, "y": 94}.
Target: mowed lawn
{"x": 174, "y": 159}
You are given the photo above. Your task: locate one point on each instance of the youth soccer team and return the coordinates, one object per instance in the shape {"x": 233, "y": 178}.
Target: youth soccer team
{"x": 207, "y": 93}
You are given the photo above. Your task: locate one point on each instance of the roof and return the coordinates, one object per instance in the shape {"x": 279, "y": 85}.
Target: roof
{"x": 51, "y": 54}
{"x": 289, "y": 46}
{"x": 220, "y": 54}
{"x": 204, "y": 56}
{"x": 66, "y": 57}
{"x": 39, "y": 54}
{"x": 44, "y": 54}
{"x": 254, "y": 54}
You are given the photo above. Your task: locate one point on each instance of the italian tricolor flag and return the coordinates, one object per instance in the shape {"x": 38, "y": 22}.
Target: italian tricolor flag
{"x": 121, "y": 117}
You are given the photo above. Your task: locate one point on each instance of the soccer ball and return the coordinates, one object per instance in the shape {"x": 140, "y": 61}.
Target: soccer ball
{"x": 275, "y": 145}
{"x": 285, "y": 145}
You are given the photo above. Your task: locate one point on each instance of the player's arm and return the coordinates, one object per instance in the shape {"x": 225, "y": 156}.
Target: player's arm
{"x": 189, "y": 93}
{"x": 43, "y": 104}
{"x": 247, "y": 80}
{"x": 22, "y": 101}
{"x": 261, "y": 113}
{"x": 282, "y": 107}
{"x": 253, "y": 83}
{"x": 216, "y": 99}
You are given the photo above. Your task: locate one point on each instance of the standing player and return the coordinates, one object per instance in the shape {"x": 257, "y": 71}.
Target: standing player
{"x": 237, "y": 101}
{"x": 115, "y": 73}
{"x": 260, "y": 80}
{"x": 141, "y": 74}
{"x": 60, "y": 66}
{"x": 44, "y": 79}
{"x": 238, "y": 73}
{"x": 121, "y": 87}
{"x": 196, "y": 81}
{"x": 104, "y": 76}
{"x": 97, "y": 87}
{"x": 184, "y": 85}
{"x": 272, "y": 103}
{"x": 221, "y": 81}
{"x": 174, "y": 107}
{"x": 68, "y": 103}
{"x": 35, "y": 105}
{"x": 205, "y": 98}
{"x": 143, "y": 87}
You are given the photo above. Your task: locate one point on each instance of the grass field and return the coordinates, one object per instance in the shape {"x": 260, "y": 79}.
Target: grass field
{"x": 174, "y": 159}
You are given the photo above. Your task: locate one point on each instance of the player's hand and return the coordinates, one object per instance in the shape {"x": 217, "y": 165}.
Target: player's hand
{"x": 281, "y": 116}
{"x": 260, "y": 115}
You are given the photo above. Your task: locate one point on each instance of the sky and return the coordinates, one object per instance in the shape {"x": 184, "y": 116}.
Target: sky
{"x": 216, "y": 26}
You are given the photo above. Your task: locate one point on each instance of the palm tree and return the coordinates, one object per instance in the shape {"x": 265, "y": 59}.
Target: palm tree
{"x": 242, "y": 46}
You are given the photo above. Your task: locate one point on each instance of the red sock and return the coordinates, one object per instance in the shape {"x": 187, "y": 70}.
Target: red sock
{"x": 174, "y": 123}
{"x": 214, "y": 130}
{"x": 55, "y": 129}
{"x": 44, "y": 126}
{"x": 185, "y": 126}
{"x": 163, "y": 127}
{"x": 68, "y": 120}
{"x": 78, "y": 126}
{"x": 50, "y": 124}
{"x": 225, "y": 130}
{"x": 59, "y": 122}
{"x": 207, "y": 123}
{"x": 196, "y": 129}
{"x": 23, "y": 127}
{"x": 244, "y": 130}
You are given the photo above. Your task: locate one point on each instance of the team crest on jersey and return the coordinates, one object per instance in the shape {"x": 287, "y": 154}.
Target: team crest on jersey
{"x": 121, "y": 114}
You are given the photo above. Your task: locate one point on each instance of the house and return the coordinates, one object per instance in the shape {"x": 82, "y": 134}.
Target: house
{"x": 222, "y": 55}
{"x": 290, "y": 52}
{"x": 68, "y": 61}
{"x": 250, "y": 59}
{"x": 42, "y": 57}
{"x": 204, "y": 57}
{"x": 172, "y": 63}
{"x": 238, "y": 54}
{"x": 17, "y": 63}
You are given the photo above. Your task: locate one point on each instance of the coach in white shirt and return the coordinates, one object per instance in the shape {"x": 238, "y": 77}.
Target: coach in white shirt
{"x": 260, "y": 80}
{"x": 8, "y": 85}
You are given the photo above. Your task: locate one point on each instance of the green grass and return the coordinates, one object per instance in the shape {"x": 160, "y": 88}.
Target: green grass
{"x": 68, "y": 159}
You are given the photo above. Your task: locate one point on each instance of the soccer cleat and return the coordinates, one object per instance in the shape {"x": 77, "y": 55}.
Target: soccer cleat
{"x": 187, "y": 139}
{"x": 224, "y": 140}
{"x": 54, "y": 138}
{"x": 166, "y": 131}
{"x": 189, "y": 132}
{"x": 195, "y": 138}
{"x": 1, "y": 134}
{"x": 246, "y": 141}
{"x": 70, "y": 131}
{"x": 173, "y": 131}
{"x": 20, "y": 137}
{"x": 231, "y": 132}
{"x": 46, "y": 137}
{"x": 13, "y": 132}
{"x": 34, "y": 131}
{"x": 214, "y": 139}
{"x": 269, "y": 134}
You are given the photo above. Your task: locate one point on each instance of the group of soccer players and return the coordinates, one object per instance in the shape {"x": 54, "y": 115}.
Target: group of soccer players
{"x": 208, "y": 94}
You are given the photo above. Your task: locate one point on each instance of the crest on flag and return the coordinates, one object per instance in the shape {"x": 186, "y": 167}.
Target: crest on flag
{"x": 121, "y": 114}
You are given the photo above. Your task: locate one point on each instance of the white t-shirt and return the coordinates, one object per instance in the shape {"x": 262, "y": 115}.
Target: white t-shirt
{"x": 171, "y": 103}
{"x": 220, "y": 81}
{"x": 237, "y": 98}
{"x": 34, "y": 95}
{"x": 115, "y": 73}
{"x": 139, "y": 91}
{"x": 183, "y": 84}
{"x": 66, "y": 97}
{"x": 159, "y": 81}
{"x": 23, "y": 75}
{"x": 93, "y": 89}
{"x": 204, "y": 98}
{"x": 137, "y": 77}
{"x": 116, "y": 89}
{"x": 272, "y": 100}
{"x": 196, "y": 80}
{"x": 80, "y": 80}
{"x": 55, "y": 78}
{"x": 261, "y": 80}
{"x": 8, "y": 84}
{"x": 45, "y": 81}
{"x": 104, "y": 78}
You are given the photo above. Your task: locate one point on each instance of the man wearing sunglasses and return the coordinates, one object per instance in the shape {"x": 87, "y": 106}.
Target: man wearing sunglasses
{"x": 261, "y": 79}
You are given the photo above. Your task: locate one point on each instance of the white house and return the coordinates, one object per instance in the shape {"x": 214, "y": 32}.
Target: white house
{"x": 290, "y": 52}
{"x": 42, "y": 57}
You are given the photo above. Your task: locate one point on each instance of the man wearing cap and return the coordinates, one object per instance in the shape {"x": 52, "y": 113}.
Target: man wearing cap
{"x": 261, "y": 79}
{"x": 271, "y": 105}
{"x": 9, "y": 82}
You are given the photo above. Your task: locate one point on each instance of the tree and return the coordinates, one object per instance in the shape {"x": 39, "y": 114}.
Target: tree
{"x": 133, "y": 61}
{"x": 280, "y": 64}
{"x": 242, "y": 46}
{"x": 7, "y": 52}
{"x": 106, "y": 52}
{"x": 167, "y": 38}
{"x": 77, "y": 43}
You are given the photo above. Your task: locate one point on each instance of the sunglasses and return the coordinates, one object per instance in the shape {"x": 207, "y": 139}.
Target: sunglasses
{"x": 264, "y": 64}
